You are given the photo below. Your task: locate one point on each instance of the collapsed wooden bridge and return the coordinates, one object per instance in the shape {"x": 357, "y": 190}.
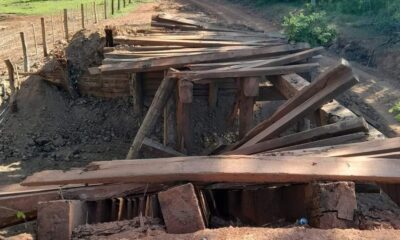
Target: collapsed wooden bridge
{"x": 173, "y": 63}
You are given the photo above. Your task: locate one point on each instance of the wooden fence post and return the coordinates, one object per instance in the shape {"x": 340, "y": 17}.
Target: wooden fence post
{"x": 105, "y": 9}
{"x": 25, "y": 51}
{"x": 44, "y": 37}
{"x": 66, "y": 24}
{"x": 112, "y": 7}
{"x": 95, "y": 12}
{"x": 119, "y": 5}
{"x": 13, "y": 100}
{"x": 34, "y": 38}
{"x": 124, "y": 3}
{"x": 83, "y": 16}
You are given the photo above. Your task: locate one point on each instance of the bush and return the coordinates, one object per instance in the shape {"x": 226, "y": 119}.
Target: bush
{"x": 309, "y": 26}
{"x": 396, "y": 110}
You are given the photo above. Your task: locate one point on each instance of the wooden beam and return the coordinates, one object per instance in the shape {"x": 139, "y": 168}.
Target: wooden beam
{"x": 369, "y": 148}
{"x": 167, "y": 62}
{"x": 199, "y": 76}
{"x": 160, "y": 147}
{"x": 160, "y": 99}
{"x": 246, "y": 169}
{"x": 183, "y": 116}
{"x": 249, "y": 89}
{"x": 336, "y": 129}
{"x": 334, "y": 81}
{"x": 136, "y": 85}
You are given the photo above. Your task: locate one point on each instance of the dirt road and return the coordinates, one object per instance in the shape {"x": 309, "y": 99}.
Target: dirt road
{"x": 372, "y": 98}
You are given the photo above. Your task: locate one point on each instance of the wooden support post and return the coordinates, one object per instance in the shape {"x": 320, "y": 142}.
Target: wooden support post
{"x": 105, "y": 9}
{"x": 249, "y": 90}
{"x": 44, "y": 42}
{"x": 112, "y": 7}
{"x": 137, "y": 93}
{"x": 57, "y": 219}
{"x": 119, "y": 5}
{"x": 95, "y": 12}
{"x": 52, "y": 30}
{"x": 25, "y": 52}
{"x": 160, "y": 99}
{"x": 11, "y": 79}
{"x": 109, "y": 37}
{"x": 83, "y": 15}
{"x": 124, "y": 3}
{"x": 183, "y": 116}
{"x": 34, "y": 39}
{"x": 66, "y": 24}
{"x": 213, "y": 94}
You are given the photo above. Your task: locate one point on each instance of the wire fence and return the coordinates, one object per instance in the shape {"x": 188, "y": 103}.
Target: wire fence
{"x": 61, "y": 26}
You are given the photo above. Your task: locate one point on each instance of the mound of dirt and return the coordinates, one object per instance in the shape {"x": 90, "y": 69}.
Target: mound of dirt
{"x": 51, "y": 130}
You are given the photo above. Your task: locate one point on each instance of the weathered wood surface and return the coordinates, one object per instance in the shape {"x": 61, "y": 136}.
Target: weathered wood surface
{"x": 244, "y": 169}
{"x": 160, "y": 99}
{"x": 331, "y": 130}
{"x": 331, "y": 83}
{"x": 369, "y": 148}
{"x": 144, "y": 65}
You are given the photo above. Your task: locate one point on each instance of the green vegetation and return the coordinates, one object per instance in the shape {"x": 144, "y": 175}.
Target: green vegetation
{"x": 45, "y": 7}
{"x": 309, "y": 26}
{"x": 396, "y": 110}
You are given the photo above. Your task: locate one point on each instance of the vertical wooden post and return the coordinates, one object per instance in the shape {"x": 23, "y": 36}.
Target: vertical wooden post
{"x": 105, "y": 9}
{"x": 112, "y": 7}
{"x": 249, "y": 90}
{"x": 34, "y": 39}
{"x": 212, "y": 95}
{"x": 119, "y": 5}
{"x": 95, "y": 12}
{"x": 137, "y": 93}
{"x": 124, "y": 2}
{"x": 25, "y": 52}
{"x": 66, "y": 24}
{"x": 13, "y": 100}
{"x": 83, "y": 16}
{"x": 52, "y": 29}
{"x": 130, "y": 1}
{"x": 109, "y": 37}
{"x": 183, "y": 118}
{"x": 44, "y": 37}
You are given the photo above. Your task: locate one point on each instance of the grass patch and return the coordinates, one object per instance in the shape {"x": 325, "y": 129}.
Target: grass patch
{"x": 47, "y": 7}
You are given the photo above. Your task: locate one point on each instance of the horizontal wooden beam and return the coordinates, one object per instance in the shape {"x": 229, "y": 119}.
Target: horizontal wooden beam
{"x": 246, "y": 169}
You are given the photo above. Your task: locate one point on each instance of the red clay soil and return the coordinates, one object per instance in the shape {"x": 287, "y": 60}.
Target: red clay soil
{"x": 268, "y": 233}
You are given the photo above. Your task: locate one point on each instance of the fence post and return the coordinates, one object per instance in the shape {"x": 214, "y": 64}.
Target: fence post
{"x": 13, "y": 100}
{"x": 95, "y": 12}
{"x": 83, "y": 16}
{"x": 25, "y": 51}
{"x": 130, "y": 1}
{"x": 66, "y": 24}
{"x": 105, "y": 9}
{"x": 34, "y": 38}
{"x": 112, "y": 7}
{"x": 119, "y": 5}
{"x": 124, "y": 2}
{"x": 44, "y": 37}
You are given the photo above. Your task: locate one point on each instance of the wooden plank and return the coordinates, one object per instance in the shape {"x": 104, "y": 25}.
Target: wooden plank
{"x": 165, "y": 63}
{"x": 137, "y": 93}
{"x": 369, "y": 148}
{"x": 336, "y": 129}
{"x": 249, "y": 89}
{"x": 199, "y": 76}
{"x": 160, "y": 147}
{"x": 348, "y": 138}
{"x": 246, "y": 169}
{"x": 339, "y": 77}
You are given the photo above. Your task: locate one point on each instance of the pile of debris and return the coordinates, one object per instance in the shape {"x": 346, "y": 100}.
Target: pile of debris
{"x": 235, "y": 184}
